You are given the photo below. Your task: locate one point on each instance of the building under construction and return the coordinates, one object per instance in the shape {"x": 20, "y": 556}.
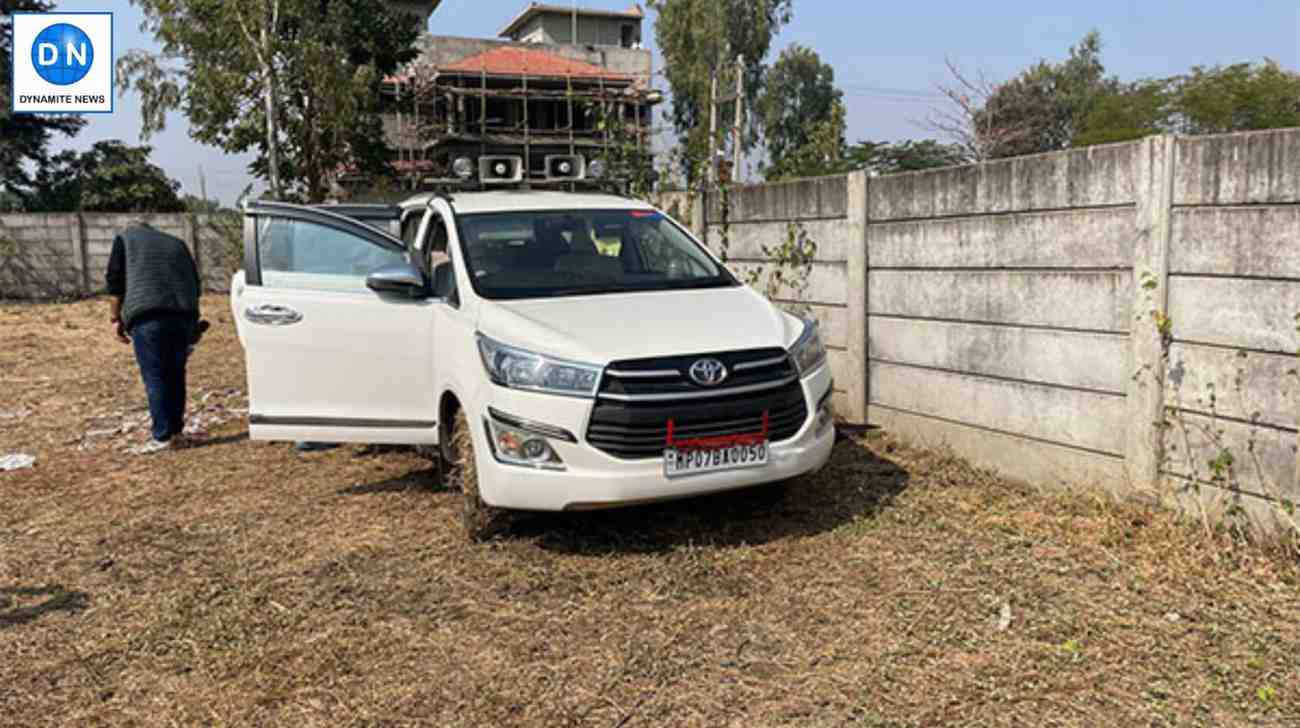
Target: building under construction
{"x": 533, "y": 95}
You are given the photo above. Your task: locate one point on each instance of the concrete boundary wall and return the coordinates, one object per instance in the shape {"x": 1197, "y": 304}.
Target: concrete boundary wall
{"x": 1013, "y": 310}
{"x": 748, "y": 220}
{"x": 65, "y": 255}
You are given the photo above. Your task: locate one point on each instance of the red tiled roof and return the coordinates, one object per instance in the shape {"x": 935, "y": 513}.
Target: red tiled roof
{"x": 514, "y": 61}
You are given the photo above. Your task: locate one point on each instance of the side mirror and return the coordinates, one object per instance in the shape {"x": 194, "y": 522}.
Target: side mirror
{"x": 401, "y": 278}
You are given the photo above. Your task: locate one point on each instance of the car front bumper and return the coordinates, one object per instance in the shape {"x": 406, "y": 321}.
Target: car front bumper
{"x": 592, "y": 480}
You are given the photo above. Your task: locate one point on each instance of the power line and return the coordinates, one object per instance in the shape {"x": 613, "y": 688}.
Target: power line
{"x": 891, "y": 91}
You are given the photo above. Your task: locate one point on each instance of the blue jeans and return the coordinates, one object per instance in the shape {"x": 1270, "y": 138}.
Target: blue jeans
{"x": 162, "y": 345}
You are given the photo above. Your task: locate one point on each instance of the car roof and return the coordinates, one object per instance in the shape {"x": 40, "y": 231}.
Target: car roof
{"x": 469, "y": 203}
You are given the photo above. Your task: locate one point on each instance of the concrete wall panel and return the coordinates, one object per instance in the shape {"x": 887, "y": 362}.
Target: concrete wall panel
{"x": 1234, "y": 169}
{"x": 1089, "y": 177}
{"x": 842, "y": 369}
{"x": 1014, "y": 457}
{"x": 1236, "y": 312}
{"x": 1263, "y": 458}
{"x": 1241, "y": 241}
{"x": 1066, "y": 358}
{"x": 827, "y": 283}
{"x": 1206, "y": 378}
{"x": 1064, "y": 416}
{"x": 834, "y": 324}
{"x": 1098, "y": 301}
{"x": 1075, "y": 238}
{"x": 746, "y": 240}
{"x": 803, "y": 199}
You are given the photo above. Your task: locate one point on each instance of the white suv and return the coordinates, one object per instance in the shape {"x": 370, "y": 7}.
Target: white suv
{"x": 565, "y": 351}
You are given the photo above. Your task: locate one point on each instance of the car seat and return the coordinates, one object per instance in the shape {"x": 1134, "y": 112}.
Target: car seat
{"x": 586, "y": 261}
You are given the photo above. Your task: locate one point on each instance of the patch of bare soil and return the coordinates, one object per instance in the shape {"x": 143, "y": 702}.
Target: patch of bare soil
{"x": 241, "y": 583}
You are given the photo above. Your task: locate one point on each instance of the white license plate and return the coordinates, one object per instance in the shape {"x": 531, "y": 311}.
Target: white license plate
{"x": 693, "y": 461}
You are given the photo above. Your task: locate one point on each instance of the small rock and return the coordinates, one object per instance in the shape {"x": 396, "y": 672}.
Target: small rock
{"x": 1004, "y": 617}
{"x": 16, "y": 461}
{"x": 1173, "y": 617}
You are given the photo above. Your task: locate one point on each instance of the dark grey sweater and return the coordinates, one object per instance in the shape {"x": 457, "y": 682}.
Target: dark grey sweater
{"x": 154, "y": 273}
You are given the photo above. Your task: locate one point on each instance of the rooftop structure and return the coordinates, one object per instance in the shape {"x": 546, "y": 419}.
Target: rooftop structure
{"x": 557, "y": 24}
{"x": 528, "y": 98}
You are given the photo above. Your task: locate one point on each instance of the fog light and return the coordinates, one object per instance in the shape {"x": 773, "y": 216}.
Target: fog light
{"x": 537, "y": 450}
{"x": 825, "y": 417}
{"x": 515, "y": 446}
{"x": 823, "y": 421}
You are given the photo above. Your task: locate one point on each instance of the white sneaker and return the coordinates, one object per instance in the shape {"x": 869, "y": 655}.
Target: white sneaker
{"x": 151, "y": 447}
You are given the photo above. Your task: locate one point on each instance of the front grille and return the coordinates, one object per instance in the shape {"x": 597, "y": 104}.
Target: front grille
{"x": 637, "y": 398}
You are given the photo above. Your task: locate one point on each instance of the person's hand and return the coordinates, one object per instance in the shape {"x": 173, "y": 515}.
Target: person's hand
{"x": 119, "y": 329}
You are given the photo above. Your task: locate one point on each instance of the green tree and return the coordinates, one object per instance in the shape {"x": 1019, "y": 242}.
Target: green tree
{"x": 1239, "y": 97}
{"x": 295, "y": 80}
{"x": 699, "y": 38}
{"x": 108, "y": 177}
{"x": 822, "y": 153}
{"x": 906, "y": 156}
{"x": 1047, "y": 103}
{"x": 1130, "y": 112}
{"x": 799, "y": 94}
{"x": 24, "y": 138}
{"x": 1215, "y": 100}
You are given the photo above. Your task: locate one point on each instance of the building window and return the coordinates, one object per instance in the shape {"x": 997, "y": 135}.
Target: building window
{"x": 629, "y": 35}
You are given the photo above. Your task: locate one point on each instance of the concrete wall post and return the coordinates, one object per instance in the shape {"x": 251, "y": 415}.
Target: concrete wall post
{"x": 700, "y": 215}
{"x": 1154, "y": 184}
{"x": 77, "y": 237}
{"x": 859, "y": 387}
{"x": 196, "y": 248}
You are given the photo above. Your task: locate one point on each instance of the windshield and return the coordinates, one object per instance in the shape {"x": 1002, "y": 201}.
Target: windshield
{"x": 572, "y": 253}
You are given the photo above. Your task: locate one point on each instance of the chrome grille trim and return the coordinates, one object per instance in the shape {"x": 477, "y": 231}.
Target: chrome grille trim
{"x": 746, "y": 366}
{"x": 646, "y": 374}
{"x": 703, "y": 394}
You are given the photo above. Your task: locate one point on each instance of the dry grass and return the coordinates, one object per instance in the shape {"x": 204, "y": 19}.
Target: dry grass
{"x": 240, "y": 583}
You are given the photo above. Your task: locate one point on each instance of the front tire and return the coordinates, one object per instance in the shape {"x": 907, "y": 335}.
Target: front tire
{"x": 480, "y": 521}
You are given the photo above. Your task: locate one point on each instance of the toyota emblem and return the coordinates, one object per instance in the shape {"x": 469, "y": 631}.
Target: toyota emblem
{"x": 708, "y": 372}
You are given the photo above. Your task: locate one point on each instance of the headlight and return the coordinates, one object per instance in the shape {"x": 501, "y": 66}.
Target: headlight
{"x": 519, "y": 369}
{"x": 808, "y": 352}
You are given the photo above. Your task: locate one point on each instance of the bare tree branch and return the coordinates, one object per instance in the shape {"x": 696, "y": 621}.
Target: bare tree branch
{"x": 971, "y": 119}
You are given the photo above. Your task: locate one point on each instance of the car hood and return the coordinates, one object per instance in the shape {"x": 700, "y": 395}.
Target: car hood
{"x": 610, "y": 327}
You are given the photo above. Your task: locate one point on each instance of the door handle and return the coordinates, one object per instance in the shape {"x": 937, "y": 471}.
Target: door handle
{"x": 271, "y": 314}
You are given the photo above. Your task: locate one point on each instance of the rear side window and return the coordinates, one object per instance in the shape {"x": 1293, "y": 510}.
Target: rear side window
{"x": 306, "y": 255}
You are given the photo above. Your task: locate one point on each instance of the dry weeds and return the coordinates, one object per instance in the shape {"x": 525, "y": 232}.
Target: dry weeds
{"x": 241, "y": 583}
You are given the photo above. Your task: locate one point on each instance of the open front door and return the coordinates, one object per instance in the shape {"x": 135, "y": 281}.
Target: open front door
{"x": 328, "y": 359}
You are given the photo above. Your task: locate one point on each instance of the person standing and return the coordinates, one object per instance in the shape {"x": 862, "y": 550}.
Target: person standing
{"x": 154, "y": 284}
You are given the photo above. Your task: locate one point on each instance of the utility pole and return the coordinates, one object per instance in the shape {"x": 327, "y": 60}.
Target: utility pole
{"x": 712, "y": 174}
{"x": 740, "y": 110}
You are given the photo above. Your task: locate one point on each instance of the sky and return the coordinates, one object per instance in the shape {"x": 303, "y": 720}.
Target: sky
{"x": 888, "y": 56}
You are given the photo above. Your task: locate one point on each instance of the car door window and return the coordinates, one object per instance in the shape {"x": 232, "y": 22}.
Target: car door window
{"x": 435, "y": 241}
{"x": 300, "y": 254}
